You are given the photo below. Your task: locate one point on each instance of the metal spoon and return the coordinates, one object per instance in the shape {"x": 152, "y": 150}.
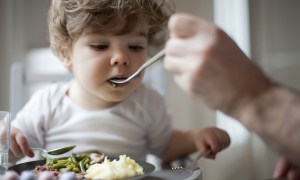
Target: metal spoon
{"x": 144, "y": 66}
{"x": 202, "y": 154}
{"x": 56, "y": 151}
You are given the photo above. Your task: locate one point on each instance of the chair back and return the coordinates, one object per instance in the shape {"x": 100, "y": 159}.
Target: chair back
{"x": 23, "y": 82}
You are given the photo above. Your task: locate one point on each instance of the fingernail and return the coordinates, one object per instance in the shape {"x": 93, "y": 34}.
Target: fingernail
{"x": 30, "y": 153}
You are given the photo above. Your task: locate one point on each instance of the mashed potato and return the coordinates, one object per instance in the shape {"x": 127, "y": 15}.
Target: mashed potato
{"x": 125, "y": 167}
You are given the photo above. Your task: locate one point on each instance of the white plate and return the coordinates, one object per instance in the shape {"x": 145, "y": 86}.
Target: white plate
{"x": 148, "y": 168}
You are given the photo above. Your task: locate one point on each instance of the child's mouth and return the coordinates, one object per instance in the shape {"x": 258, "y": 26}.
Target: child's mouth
{"x": 115, "y": 85}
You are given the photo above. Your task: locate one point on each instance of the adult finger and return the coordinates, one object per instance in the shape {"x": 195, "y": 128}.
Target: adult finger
{"x": 184, "y": 25}
{"x": 294, "y": 174}
{"x": 281, "y": 168}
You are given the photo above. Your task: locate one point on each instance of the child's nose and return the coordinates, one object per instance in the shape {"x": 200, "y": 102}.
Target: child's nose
{"x": 119, "y": 60}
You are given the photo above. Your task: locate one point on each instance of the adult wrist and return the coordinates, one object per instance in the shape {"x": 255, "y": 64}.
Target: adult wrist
{"x": 268, "y": 114}
{"x": 274, "y": 116}
{"x": 254, "y": 111}
{"x": 249, "y": 101}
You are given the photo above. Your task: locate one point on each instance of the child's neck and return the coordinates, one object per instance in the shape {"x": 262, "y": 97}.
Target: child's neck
{"x": 87, "y": 101}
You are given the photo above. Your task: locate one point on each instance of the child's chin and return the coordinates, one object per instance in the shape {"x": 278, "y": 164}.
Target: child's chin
{"x": 119, "y": 98}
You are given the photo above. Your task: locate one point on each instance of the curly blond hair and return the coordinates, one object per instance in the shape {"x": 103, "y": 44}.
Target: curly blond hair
{"x": 67, "y": 19}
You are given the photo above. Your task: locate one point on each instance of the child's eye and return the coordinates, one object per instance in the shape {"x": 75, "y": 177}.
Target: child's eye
{"x": 100, "y": 46}
{"x": 136, "y": 48}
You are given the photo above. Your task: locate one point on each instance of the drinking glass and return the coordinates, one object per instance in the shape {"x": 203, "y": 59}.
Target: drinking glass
{"x": 4, "y": 140}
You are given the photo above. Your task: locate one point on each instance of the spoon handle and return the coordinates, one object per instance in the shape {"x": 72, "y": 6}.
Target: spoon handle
{"x": 153, "y": 59}
{"x": 145, "y": 65}
{"x": 39, "y": 149}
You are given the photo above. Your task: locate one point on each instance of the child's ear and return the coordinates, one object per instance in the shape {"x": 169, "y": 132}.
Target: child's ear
{"x": 65, "y": 58}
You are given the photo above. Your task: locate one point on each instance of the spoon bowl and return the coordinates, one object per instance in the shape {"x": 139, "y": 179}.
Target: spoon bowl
{"x": 196, "y": 166}
{"x": 56, "y": 151}
{"x": 144, "y": 66}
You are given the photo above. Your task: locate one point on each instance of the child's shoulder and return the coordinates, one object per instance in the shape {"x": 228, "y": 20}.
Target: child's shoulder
{"x": 47, "y": 96}
{"x": 54, "y": 90}
{"x": 54, "y": 87}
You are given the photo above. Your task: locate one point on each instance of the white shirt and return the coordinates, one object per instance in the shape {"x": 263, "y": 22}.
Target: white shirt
{"x": 135, "y": 127}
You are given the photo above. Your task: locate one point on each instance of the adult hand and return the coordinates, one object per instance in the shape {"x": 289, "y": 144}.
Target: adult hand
{"x": 208, "y": 64}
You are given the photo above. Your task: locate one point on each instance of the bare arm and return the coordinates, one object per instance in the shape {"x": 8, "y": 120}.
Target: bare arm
{"x": 208, "y": 64}
{"x": 210, "y": 139}
{"x": 275, "y": 116}
{"x": 180, "y": 144}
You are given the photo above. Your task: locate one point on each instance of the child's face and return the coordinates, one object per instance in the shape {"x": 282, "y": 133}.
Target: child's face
{"x": 95, "y": 59}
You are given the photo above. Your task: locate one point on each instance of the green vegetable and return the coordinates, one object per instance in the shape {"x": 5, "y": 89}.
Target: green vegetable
{"x": 114, "y": 84}
{"x": 59, "y": 166}
{"x": 73, "y": 163}
{"x": 82, "y": 166}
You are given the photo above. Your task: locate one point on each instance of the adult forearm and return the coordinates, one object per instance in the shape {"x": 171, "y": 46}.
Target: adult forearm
{"x": 275, "y": 116}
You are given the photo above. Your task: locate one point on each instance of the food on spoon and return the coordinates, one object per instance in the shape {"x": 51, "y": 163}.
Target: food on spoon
{"x": 125, "y": 167}
{"x": 114, "y": 84}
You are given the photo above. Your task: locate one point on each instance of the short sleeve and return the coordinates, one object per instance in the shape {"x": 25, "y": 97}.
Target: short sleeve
{"x": 35, "y": 116}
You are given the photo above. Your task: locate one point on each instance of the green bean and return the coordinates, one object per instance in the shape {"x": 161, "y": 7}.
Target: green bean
{"x": 49, "y": 159}
{"x": 59, "y": 166}
{"x": 63, "y": 161}
{"x": 114, "y": 84}
{"x": 75, "y": 163}
{"x": 49, "y": 163}
{"x": 69, "y": 168}
{"x": 76, "y": 170}
{"x": 86, "y": 161}
{"x": 73, "y": 158}
{"x": 82, "y": 166}
{"x": 83, "y": 156}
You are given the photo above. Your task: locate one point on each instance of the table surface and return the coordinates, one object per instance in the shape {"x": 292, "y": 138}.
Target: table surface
{"x": 182, "y": 174}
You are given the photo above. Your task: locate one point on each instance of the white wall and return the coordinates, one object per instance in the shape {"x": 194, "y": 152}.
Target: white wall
{"x": 3, "y": 57}
{"x": 275, "y": 47}
{"x": 23, "y": 27}
{"x": 276, "y": 39}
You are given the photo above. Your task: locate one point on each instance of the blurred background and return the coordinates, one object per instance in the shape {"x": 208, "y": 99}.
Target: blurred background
{"x": 266, "y": 30}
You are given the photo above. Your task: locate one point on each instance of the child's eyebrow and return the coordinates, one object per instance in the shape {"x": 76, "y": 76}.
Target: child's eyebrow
{"x": 142, "y": 34}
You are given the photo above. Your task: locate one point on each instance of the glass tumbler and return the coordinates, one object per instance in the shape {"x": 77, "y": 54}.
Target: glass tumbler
{"x": 5, "y": 125}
